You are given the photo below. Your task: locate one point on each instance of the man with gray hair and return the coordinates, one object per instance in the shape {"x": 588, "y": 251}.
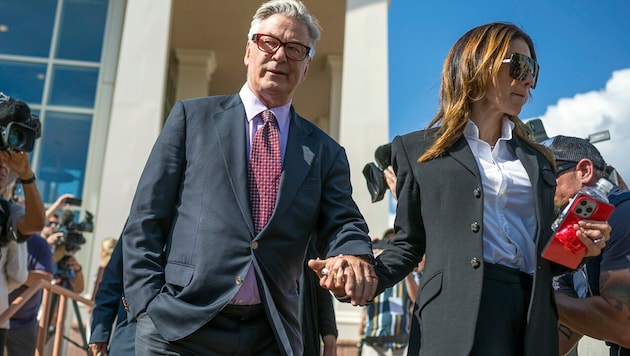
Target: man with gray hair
{"x": 602, "y": 310}
{"x": 234, "y": 187}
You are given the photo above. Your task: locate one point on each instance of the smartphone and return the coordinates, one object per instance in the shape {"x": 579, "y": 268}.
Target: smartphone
{"x": 565, "y": 247}
{"x": 74, "y": 201}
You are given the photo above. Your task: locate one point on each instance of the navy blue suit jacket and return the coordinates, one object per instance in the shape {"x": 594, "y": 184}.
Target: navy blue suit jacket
{"x": 108, "y": 306}
{"x": 190, "y": 239}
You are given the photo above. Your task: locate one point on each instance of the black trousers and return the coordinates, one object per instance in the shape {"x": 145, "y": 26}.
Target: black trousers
{"x": 236, "y": 331}
{"x": 503, "y": 312}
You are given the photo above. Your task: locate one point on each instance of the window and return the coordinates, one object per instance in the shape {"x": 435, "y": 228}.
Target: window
{"x": 50, "y": 57}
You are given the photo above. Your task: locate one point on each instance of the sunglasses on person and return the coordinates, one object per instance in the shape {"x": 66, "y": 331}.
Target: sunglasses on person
{"x": 522, "y": 65}
{"x": 562, "y": 167}
{"x": 270, "y": 45}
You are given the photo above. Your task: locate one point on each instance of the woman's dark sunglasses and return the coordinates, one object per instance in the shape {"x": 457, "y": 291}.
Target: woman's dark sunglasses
{"x": 521, "y": 65}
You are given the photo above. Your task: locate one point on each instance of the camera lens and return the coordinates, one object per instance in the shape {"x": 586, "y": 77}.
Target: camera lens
{"x": 16, "y": 138}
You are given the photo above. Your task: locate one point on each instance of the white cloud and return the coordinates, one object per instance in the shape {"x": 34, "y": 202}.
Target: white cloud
{"x": 587, "y": 113}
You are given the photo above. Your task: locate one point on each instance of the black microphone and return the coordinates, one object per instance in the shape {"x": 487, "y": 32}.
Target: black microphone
{"x": 66, "y": 217}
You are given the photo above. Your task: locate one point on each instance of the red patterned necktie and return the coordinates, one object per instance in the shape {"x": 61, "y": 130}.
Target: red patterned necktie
{"x": 265, "y": 166}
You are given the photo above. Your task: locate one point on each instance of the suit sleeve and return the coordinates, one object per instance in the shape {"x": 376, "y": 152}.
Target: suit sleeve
{"x": 107, "y": 298}
{"x": 150, "y": 217}
{"x": 340, "y": 219}
{"x": 407, "y": 247}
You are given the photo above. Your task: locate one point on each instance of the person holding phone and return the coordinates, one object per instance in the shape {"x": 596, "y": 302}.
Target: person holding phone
{"x": 602, "y": 310}
{"x": 475, "y": 193}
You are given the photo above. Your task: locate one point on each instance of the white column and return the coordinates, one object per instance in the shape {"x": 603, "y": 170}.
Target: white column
{"x": 195, "y": 68}
{"x": 334, "y": 66}
{"x": 364, "y": 119}
{"x": 363, "y": 124}
{"x": 137, "y": 105}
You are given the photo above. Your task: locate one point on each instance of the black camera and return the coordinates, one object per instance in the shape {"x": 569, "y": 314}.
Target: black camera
{"x": 18, "y": 127}
{"x": 373, "y": 172}
{"x": 73, "y": 238}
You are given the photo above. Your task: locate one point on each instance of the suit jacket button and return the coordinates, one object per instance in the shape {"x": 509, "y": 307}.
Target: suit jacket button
{"x": 474, "y": 227}
{"x": 477, "y": 193}
{"x": 254, "y": 245}
{"x": 475, "y": 263}
{"x": 239, "y": 281}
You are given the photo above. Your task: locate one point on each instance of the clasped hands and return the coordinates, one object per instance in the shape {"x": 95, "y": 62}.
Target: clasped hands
{"x": 347, "y": 277}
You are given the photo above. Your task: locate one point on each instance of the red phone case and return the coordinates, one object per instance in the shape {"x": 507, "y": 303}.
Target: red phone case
{"x": 565, "y": 247}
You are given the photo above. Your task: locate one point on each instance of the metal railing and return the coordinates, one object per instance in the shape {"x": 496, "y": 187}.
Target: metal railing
{"x": 50, "y": 291}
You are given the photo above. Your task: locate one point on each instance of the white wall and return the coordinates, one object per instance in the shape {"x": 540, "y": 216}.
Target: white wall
{"x": 136, "y": 112}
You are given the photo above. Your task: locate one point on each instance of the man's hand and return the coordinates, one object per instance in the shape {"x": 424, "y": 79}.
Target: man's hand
{"x": 347, "y": 276}
{"x": 18, "y": 162}
{"x": 98, "y": 349}
{"x": 593, "y": 235}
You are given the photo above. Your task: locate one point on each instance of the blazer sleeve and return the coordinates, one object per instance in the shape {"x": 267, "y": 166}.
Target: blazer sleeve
{"x": 108, "y": 298}
{"x": 407, "y": 247}
{"x": 340, "y": 220}
{"x": 149, "y": 222}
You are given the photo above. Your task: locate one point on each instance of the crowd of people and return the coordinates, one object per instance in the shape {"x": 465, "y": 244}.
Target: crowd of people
{"x": 242, "y": 251}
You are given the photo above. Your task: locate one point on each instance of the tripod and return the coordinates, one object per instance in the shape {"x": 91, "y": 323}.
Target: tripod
{"x": 62, "y": 278}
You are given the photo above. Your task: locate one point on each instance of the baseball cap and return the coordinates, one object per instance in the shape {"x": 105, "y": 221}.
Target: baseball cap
{"x": 573, "y": 149}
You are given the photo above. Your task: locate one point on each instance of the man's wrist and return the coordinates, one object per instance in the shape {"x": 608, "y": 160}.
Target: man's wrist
{"x": 28, "y": 180}
{"x": 367, "y": 258}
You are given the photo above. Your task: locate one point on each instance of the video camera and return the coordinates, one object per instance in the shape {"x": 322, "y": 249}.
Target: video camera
{"x": 72, "y": 238}
{"x": 18, "y": 127}
{"x": 373, "y": 172}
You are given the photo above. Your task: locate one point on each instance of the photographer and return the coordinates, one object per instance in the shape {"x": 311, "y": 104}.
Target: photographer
{"x": 68, "y": 272}
{"x": 19, "y": 129}
{"x": 28, "y": 219}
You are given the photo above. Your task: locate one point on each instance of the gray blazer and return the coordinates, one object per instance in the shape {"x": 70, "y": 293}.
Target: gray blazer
{"x": 440, "y": 211}
{"x": 190, "y": 240}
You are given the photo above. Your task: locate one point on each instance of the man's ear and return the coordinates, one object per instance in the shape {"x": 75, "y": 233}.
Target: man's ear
{"x": 306, "y": 68}
{"x": 247, "y": 53}
{"x": 586, "y": 168}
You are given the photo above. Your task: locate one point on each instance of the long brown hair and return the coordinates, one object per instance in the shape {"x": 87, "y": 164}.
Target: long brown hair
{"x": 470, "y": 66}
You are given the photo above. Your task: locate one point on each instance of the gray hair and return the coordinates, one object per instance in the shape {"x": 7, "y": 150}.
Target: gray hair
{"x": 292, "y": 8}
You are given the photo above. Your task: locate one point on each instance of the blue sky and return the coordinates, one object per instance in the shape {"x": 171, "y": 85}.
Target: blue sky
{"x": 582, "y": 48}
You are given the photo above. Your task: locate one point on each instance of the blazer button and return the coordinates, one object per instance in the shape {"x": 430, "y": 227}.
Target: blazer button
{"x": 239, "y": 281}
{"x": 477, "y": 193}
{"x": 474, "y": 227}
{"x": 254, "y": 245}
{"x": 475, "y": 263}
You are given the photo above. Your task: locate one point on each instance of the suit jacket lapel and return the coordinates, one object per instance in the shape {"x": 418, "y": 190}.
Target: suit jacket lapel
{"x": 300, "y": 153}
{"x": 461, "y": 152}
{"x": 230, "y": 131}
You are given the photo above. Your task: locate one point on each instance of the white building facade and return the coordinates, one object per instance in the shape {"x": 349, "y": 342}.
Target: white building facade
{"x": 102, "y": 75}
